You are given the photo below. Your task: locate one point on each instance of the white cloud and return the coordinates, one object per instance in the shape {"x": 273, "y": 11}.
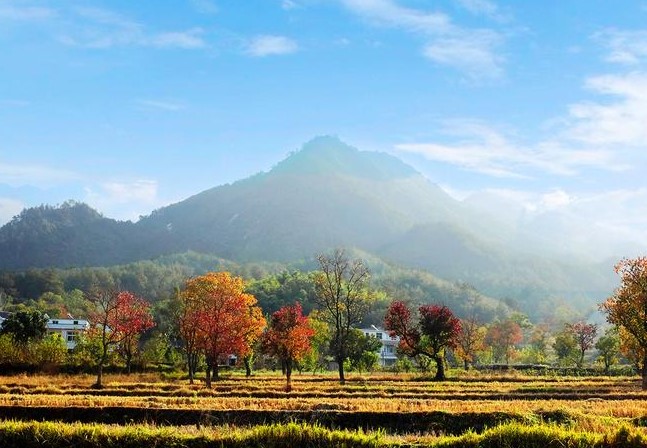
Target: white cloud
{"x": 473, "y": 51}
{"x": 623, "y": 121}
{"x": 180, "y": 39}
{"x": 482, "y": 149}
{"x": 9, "y": 208}
{"x": 124, "y": 200}
{"x": 388, "y": 12}
{"x": 104, "y": 29}
{"x": 160, "y": 105}
{"x": 484, "y": 7}
{"x": 26, "y": 13}
{"x": 205, "y": 6}
{"x": 625, "y": 47}
{"x": 269, "y": 45}
{"x": 14, "y": 103}
{"x": 288, "y": 4}
{"x": 35, "y": 175}
{"x": 556, "y": 199}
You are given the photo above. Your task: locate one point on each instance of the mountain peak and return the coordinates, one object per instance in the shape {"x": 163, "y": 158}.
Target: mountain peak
{"x": 329, "y": 155}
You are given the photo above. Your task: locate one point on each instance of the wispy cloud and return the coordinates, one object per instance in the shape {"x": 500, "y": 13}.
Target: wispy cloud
{"x": 472, "y": 51}
{"x": 623, "y": 121}
{"x": 25, "y": 13}
{"x": 484, "y": 150}
{"x": 269, "y": 45}
{"x": 36, "y": 175}
{"x": 14, "y": 103}
{"x": 205, "y": 6}
{"x": 124, "y": 199}
{"x": 485, "y": 8}
{"x": 103, "y": 29}
{"x": 169, "y": 106}
{"x": 624, "y": 46}
{"x": 288, "y": 4}
{"x": 179, "y": 39}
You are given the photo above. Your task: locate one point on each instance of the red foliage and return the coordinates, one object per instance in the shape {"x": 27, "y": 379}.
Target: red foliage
{"x": 503, "y": 337}
{"x": 289, "y": 334}
{"x": 584, "y": 334}
{"x": 219, "y": 316}
{"x": 436, "y": 322}
{"x": 131, "y": 315}
{"x": 440, "y": 325}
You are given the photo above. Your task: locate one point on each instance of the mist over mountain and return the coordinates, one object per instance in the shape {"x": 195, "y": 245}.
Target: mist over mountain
{"x": 329, "y": 195}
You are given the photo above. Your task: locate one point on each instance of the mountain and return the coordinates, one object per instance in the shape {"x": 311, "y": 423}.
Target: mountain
{"x": 326, "y": 195}
{"x": 72, "y": 234}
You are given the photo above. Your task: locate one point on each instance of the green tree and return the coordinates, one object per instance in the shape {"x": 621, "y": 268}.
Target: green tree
{"x": 565, "y": 347}
{"x": 317, "y": 357}
{"x": 362, "y": 351}
{"x": 49, "y": 352}
{"x": 25, "y": 326}
{"x": 343, "y": 297}
{"x": 608, "y": 347}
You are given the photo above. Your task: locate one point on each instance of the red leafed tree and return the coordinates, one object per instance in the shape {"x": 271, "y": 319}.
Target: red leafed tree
{"x": 226, "y": 320}
{"x": 503, "y": 336}
{"x": 133, "y": 317}
{"x": 119, "y": 318}
{"x": 288, "y": 337}
{"x": 437, "y": 329}
{"x": 585, "y": 336}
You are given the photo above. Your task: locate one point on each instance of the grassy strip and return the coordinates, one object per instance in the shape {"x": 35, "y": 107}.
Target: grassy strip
{"x": 390, "y": 422}
{"x": 57, "y": 435}
{"x": 543, "y": 436}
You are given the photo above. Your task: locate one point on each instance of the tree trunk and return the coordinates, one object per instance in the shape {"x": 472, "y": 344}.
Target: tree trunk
{"x": 99, "y": 383}
{"x": 581, "y": 363}
{"x": 288, "y": 375}
{"x": 466, "y": 364}
{"x": 208, "y": 378}
{"x": 248, "y": 366}
{"x": 340, "y": 364}
{"x": 191, "y": 364}
{"x": 129, "y": 358}
{"x": 102, "y": 361}
{"x": 215, "y": 371}
{"x": 440, "y": 368}
{"x": 644, "y": 372}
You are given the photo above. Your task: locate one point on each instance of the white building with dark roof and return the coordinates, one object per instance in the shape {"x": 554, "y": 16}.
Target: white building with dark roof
{"x": 68, "y": 328}
{"x": 388, "y": 352}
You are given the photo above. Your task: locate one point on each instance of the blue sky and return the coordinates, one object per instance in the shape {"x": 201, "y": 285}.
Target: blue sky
{"x": 130, "y": 106}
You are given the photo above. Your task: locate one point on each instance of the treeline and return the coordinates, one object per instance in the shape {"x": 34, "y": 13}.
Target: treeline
{"x": 59, "y": 292}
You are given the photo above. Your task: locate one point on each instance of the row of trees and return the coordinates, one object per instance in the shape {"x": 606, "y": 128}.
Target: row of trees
{"x": 216, "y": 317}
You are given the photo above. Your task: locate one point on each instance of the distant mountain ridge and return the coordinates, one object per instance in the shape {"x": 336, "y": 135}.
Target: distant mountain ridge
{"x": 326, "y": 195}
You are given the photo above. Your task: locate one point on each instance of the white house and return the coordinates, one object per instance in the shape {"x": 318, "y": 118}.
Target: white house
{"x": 388, "y": 352}
{"x": 69, "y": 329}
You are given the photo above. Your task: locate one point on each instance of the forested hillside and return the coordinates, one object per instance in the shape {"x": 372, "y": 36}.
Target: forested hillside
{"x": 326, "y": 195}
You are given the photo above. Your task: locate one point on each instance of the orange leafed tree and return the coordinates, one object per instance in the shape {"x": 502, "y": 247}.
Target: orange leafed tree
{"x": 503, "y": 337}
{"x": 119, "y": 318}
{"x": 288, "y": 337}
{"x": 223, "y": 320}
{"x": 470, "y": 341}
{"x": 627, "y": 307}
